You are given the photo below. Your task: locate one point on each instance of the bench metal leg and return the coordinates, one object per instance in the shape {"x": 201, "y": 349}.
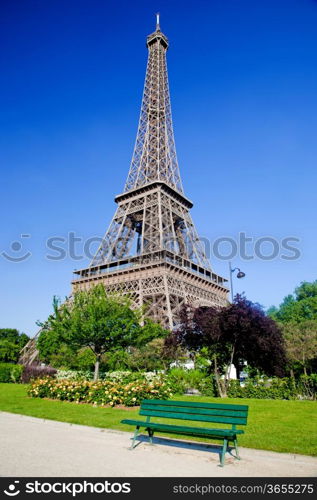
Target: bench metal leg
{"x": 136, "y": 433}
{"x": 151, "y": 433}
{"x": 224, "y": 449}
{"x": 237, "y": 450}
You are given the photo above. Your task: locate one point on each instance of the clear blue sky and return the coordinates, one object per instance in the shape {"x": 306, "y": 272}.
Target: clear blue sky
{"x": 243, "y": 79}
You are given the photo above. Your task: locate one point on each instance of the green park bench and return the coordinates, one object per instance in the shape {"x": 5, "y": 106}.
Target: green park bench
{"x": 200, "y": 412}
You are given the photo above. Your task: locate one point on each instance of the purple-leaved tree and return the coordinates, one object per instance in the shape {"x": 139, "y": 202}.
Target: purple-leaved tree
{"x": 240, "y": 331}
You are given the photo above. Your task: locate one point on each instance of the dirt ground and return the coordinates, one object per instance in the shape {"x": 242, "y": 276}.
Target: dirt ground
{"x": 36, "y": 447}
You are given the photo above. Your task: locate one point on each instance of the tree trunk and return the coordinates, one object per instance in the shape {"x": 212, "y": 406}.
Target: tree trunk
{"x": 220, "y": 385}
{"x": 97, "y": 363}
{"x": 223, "y": 388}
{"x": 227, "y": 372}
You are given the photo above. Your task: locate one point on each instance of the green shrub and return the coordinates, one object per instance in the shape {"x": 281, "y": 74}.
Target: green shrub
{"x": 103, "y": 392}
{"x": 181, "y": 380}
{"x": 10, "y": 372}
{"x": 274, "y": 388}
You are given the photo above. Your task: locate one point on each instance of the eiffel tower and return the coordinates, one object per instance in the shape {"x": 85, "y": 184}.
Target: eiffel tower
{"x": 151, "y": 249}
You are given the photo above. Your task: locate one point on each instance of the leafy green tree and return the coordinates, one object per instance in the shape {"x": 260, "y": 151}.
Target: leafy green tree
{"x": 13, "y": 335}
{"x": 300, "y": 306}
{"x": 50, "y": 343}
{"x": 297, "y": 316}
{"x": 306, "y": 290}
{"x": 10, "y": 334}
{"x": 102, "y": 323}
{"x": 54, "y": 351}
{"x": 150, "y": 331}
{"x": 150, "y": 357}
{"x": 65, "y": 358}
{"x": 11, "y": 343}
{"x": 9, "y": 352}
{"x": 23, "y": 340}
{"x": 96, "y": 320}
{"x": 116, "y": 360}
{"x": 62, "y": 356}
{"x": 146, "y": 353}
{"x": 301, "y": 342}
{"x": 85, "y": 359}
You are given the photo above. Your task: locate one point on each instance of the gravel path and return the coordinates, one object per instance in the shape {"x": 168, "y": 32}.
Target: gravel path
{"x": 35, "y": 447}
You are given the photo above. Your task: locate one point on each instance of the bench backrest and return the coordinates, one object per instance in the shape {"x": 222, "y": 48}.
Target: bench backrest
{"x": 189, "y": 410}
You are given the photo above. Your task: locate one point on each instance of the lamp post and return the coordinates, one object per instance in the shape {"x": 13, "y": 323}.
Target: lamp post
{"x": 240, "y": 274}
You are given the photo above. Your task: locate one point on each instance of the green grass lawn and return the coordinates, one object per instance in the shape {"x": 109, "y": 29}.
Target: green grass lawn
{"x": 283, "y": 426}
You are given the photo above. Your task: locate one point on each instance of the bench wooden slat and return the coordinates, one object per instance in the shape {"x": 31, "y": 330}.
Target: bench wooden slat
{"x": 190, "y": 416}
{"x": 184, "y": 429}
{"x": 193, "y": 404}
{"x": 195, "y": 411}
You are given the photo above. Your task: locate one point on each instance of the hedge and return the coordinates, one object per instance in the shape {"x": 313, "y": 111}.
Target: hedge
{"x": 10, "y": 372}
{"x": 275, "y": 388}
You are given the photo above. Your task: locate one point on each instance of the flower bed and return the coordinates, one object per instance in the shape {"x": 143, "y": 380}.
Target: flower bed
{"x": 116, "y": 376}
{"x": 105, "y": 392}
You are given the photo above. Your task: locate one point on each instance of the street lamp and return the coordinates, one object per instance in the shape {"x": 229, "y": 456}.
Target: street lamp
{"x": 240, "y": 274}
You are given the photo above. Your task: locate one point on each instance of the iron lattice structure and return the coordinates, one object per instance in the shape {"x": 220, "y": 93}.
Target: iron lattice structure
{"x": 151, "y": 249}
{"x": 154, "y": 157}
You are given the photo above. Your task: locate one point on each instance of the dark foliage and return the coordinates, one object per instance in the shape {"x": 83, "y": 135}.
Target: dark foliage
{"x": 36, "y": 371}
{"x": 257, "y": 338}
{"x": 240, "y": 331}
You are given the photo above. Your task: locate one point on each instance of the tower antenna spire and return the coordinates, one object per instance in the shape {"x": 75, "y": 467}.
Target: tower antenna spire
{"x": 157, "y": 21}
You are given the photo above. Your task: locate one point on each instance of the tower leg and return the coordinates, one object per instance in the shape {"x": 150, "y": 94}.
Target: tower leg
{"x": 168, "y": 304}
